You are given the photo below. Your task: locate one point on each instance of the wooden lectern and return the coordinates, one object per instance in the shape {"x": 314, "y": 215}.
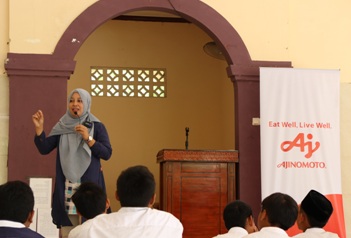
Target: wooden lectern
{"x": 195, "y": 186}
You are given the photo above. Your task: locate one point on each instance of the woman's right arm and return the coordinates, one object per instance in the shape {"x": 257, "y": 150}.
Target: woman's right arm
{"x": 38, "y": 121}
{"x": 44, "y": 145}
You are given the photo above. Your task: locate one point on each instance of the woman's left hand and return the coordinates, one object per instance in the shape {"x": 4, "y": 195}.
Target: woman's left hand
{"x": 83, "y": 131}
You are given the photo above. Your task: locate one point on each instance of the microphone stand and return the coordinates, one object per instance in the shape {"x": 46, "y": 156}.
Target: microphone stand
{"x": 186, "y": 136}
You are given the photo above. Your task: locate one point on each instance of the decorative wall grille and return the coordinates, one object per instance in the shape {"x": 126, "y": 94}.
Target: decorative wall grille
{"x": 128, "y": 82}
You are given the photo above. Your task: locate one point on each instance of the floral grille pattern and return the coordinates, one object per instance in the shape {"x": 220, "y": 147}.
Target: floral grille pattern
{"x": 128, "y": 82}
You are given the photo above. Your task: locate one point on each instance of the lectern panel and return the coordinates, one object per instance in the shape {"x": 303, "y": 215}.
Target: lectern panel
{"x": 190, "y": 167}
{"x": 197, "y": 189}
{"x": 200, "y": 205}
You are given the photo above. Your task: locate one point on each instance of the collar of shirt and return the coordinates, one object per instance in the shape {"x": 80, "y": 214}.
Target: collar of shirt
{"x": 238, "y": 230}
{"x": 134, "y": 208}
{"x": 272, "y": 229}
{"x": 315, "y": 230}
{"x": 6, "y": 223}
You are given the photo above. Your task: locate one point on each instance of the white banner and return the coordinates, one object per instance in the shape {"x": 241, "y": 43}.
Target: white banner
{"x": 300, "y": 136}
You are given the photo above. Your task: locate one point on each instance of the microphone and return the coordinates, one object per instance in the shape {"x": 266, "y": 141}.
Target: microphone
{"x": 76, "y": 113}
{"x": 86, "y": 123}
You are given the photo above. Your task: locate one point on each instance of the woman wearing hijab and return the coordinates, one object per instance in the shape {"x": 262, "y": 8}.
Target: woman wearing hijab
{"x": 82, "y": 140}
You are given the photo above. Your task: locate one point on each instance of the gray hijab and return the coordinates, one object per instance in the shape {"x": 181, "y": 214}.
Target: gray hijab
{"x": 75, "y": 154}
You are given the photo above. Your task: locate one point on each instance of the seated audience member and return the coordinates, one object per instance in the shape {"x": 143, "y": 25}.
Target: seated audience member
{"x": 16, "y": 210}
{"x": 314, "y": 213}
{"x": 278, "y": 214}
{"x": 238, "y": 220}
{"x": 90, "y": 201}
{"x": 136, "y": 218}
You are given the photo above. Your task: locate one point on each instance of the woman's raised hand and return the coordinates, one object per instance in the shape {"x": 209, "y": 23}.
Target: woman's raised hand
{"x": 38, "y": 120}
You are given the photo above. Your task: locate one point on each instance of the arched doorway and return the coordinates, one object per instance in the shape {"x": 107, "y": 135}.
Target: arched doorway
{"x": 46, "y": 75}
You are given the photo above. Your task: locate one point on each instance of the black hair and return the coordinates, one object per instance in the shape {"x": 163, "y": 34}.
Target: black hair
{"x": 281, "y": 210}
{"x": 90, "y": 200}
{"x": 235, "y": 214}
{"x": 16, "y": 201}
{"x": 136, "y": 187}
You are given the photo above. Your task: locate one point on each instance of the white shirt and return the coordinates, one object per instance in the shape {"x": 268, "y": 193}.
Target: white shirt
{"x": 130, "y": 222}
{"x": 268, "y": 232}
{"x": 6, "y": 223}
{"x": 316, "y": 233}
{"x": 81, "y": 231}
{"x": 234, "y": 232}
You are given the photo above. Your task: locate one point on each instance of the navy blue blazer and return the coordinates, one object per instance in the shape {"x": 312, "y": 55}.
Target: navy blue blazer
{"x": 14, "y": 232}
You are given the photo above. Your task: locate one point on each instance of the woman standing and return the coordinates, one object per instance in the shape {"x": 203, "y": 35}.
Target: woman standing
{"x": 82, "y": 140}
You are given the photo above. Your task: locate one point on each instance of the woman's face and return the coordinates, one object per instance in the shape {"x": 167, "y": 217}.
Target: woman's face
{"x": 75, "y": 105}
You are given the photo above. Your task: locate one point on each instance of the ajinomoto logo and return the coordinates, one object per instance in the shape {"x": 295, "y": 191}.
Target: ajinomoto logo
{"x": 299, "y": 142}
{"x": 307, "y": 145}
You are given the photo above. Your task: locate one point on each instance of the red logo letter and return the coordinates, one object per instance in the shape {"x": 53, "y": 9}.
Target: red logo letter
{"x": 299, "y": 141}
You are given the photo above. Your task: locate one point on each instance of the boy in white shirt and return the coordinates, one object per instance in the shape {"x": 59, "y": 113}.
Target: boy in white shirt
{"x": 90, "y": 201}
{"x": 238, "y": 220}
{"x": 277, "y": 215}
{"x": 136, "y": 218}
{"x": 314, "y": 213}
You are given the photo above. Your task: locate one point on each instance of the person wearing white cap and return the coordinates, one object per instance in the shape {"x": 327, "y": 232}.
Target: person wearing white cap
{"x": 314, "y": 213}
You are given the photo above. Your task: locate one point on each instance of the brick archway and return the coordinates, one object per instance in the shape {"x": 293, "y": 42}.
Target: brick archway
{"x": 47, "y": 75}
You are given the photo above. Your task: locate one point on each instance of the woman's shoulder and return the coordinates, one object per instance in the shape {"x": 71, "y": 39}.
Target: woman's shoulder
{"x": 98, "y": 123}
{"x": 99, "y": 126}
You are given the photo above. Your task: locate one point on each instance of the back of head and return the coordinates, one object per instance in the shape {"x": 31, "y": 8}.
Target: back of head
{"x": 90, "y": 200}
{"x": 281, "y": 210}
{"x": 16, "y": 201}
{"x": 236, "y": 213}
{"x": 136, "y": 187}
{"x": 317, "y": 208}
